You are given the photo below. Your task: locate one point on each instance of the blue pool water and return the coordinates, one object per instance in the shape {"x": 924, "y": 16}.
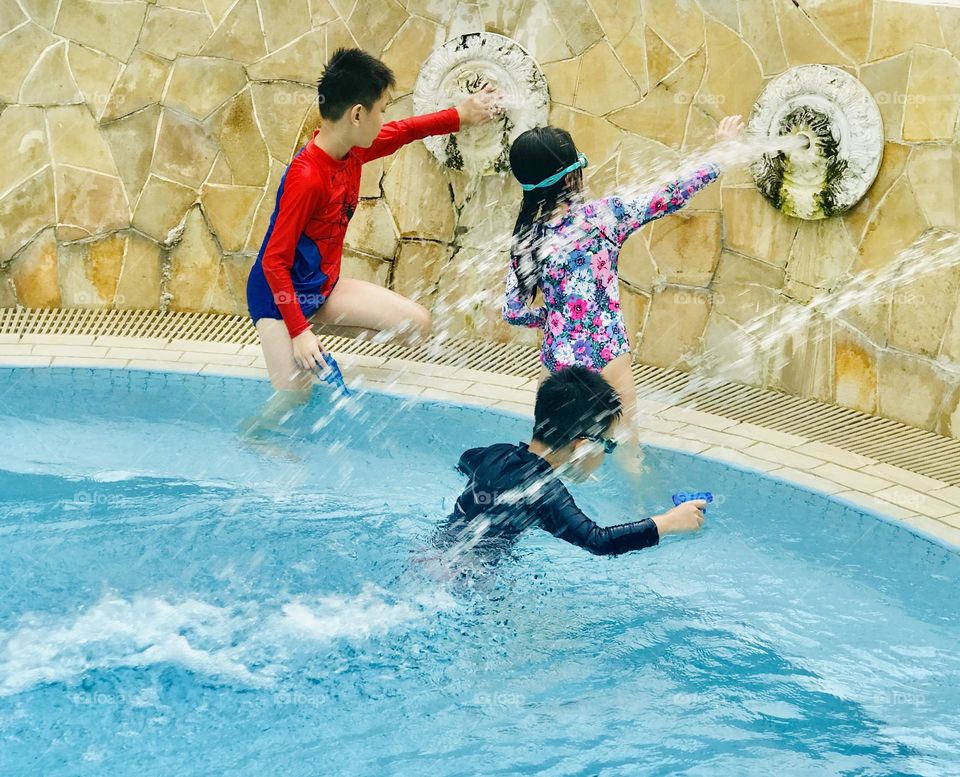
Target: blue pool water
{"x": 175, "y": 603}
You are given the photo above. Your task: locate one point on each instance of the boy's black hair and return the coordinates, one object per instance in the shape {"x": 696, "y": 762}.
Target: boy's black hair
{"x": 572, "y": 403}
{"x": 351, "y": 77}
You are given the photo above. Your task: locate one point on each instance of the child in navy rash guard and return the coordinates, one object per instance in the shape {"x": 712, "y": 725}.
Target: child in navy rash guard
{"x": 512, "y": 488}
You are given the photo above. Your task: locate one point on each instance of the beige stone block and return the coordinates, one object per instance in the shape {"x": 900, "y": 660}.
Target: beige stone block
{"x": 281, "y": 109}
{"x": 632, "y": 51}
{"x": 241, "y": 143}
{"x": 733, "y": 78}
{"x": 217, "y": 9}
{"x": 197, "y": 281}
{"x": 89, "y": 272}
{"x": 921, "y": 310}
{"x": 854, "y": 371}
{"x": 898, "y": 27}
{"x": 936, "y": 189}
{"x": 418, "y": 268}
{"x": 949, "y": 421}
{"x": 949, "y": 17}
{"x": 138, "y": 286}
{"x": 230, "y": 210}
{"x": 372, "y": 230}
{"x": 131, "y": 141}
{"x": 34, "y": 273}
{"x": 161, "y": 207}
{"x": 113, "y": 28}
{"x": 729, "y": 353}
{"x": 238, "y": 36}
{"x": 75, "y": 139}
{"x": 895, "y": 225}
{"x": 185, "y": 150}
{"x": 438, "y": 10}
{"x": 19, "y": 50}
{"x": 681, "y": 25}
{"x": 686, "y": 247}
{"x": 236, "y": 270}
{"x": 723, "y": 11}
{"x": 951, "y": 341}
{"x": 933, "y": 100}
{"x": 634, "y": 305}
{"x": 701, "y": 133}
{"x": 261, "y": 219}
{"x": 540, "y": 36}
{"x": 94, "y": 73}
{"x": 887, "y": 82}
{"x": 801, "y": 362}
{"x": 10, "y": 17}
{"x": 91, "y": 202}
{"x": 416, "y": 190}
{"x": 23, "y": 146}
{"x": 637, "y": 265}
{"x": 846, "y": 23}
{"x": 619, "y": 19}
{"x": 910, "y": 389}
{"x": 172, "y": 32}
{"x": 562, "y": 80}
{"x": 374, "y": 25}
{"x": 140, "y": 84}
{"x": 894, "y": 163}
{"x": 746, "y": 289}
{"x": 599, "y": 178}
{"x": 500, "y": 17}
{"x": 821, "y": 254}
{"x": 674, "y": 326}
{"x": 301, "y": 61}
{"x": 50, "y": 82}
{"x": 662, "y": 114}
{"x": 603, "y": 85}
{"x": 594, "y": 136}
{"x": 284, "y": 20}
{"x": 321, "y": 12}
{"x": 25, "y": 210}
{"x": 199, "y": 85}
{"x": 408, "y": 49}
{"x": 644, "y": 163}
{"x": 758, "y": 26}
{"x": 754, "y": 227}
{"x": 8, "y": 292}
{"x": 338, "y": 37}
{"x": 577, "y": 22}
{"x": 661, "y": 60}
{"x": 803, "y": 43}
{"x": 365, "y": 267}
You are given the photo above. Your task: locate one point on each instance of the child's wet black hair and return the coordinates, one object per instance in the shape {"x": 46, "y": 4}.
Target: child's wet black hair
{"x": 351, "y": 77}
{"x": 536, "y": 155}
{"x": 573, "y": 403}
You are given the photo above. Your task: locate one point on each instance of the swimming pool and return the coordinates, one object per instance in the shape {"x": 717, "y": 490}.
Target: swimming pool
{"x": 174, "y": 602}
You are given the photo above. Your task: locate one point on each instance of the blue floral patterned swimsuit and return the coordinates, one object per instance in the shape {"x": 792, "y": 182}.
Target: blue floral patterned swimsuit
{"x": 581, "y": 318}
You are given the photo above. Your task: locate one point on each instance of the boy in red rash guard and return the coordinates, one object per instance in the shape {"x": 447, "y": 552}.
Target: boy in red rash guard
{"x": 296, "y": 278}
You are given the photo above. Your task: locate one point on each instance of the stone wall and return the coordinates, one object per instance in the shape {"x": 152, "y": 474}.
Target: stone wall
{"x": 141, "y": 144}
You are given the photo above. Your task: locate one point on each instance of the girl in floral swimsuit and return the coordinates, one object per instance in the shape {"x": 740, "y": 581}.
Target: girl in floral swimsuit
{"x": 569, "y": 250}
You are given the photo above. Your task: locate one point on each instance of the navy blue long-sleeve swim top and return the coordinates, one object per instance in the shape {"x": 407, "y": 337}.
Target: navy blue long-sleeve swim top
{"x": 511, "y": 489}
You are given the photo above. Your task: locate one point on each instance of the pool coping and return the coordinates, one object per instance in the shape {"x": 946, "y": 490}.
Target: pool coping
{"x": 925, "y": 505}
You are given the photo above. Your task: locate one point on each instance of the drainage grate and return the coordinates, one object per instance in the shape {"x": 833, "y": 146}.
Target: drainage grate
{"x": 923, "y": 452}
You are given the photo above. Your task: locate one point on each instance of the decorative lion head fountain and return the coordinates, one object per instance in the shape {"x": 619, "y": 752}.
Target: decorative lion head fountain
{"x": 464, "y": 66}
{"x": 842, "y": 133}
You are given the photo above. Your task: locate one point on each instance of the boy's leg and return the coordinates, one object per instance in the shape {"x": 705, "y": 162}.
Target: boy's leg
{"x": 362, "y": 304}
{"x": 619, "y": 374}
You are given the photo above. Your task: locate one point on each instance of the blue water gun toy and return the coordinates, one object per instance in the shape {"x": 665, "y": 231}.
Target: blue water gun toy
{"x": 689, "y": 496}
{"x": 328, "y": 369}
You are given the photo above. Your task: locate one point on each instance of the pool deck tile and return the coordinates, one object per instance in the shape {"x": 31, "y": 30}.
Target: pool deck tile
{"x": 737, "y": 456}
{"x": 835, "y": 455}
{"x": 762, "y": 434}
{"x": 903, "y": 477}
{"x": 154, "y": 354}
{"x": 916, "y": 501}
{"x": 780, "y": 456}
{"x": 807, "y": 480}
{"x": 84, "y": 351}
{"x": 698, "y": 418}
{"x": 853, "y": 479}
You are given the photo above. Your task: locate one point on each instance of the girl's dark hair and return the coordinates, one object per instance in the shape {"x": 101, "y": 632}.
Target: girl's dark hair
{"x": 571, "y": 403}
{"x": 535, "y": 155}
{"x": 351, "y": 77}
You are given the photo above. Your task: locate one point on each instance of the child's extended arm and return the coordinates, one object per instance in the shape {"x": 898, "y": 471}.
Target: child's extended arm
{"x": 476, "y": 109}
{"x": 516, "y": 311}
{"x": 620, "y": 217}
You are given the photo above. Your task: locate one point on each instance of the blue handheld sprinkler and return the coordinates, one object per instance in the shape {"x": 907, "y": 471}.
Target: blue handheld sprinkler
{"x": 689, "y": 496}
{"x": 328, "y": 369}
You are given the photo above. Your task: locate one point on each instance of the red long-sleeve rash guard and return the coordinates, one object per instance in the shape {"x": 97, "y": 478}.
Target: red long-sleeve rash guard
{"x": 303, "y": 247}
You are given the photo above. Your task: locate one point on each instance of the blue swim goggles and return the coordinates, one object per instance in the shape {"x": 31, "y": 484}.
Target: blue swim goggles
{"x": 581, "y": 162}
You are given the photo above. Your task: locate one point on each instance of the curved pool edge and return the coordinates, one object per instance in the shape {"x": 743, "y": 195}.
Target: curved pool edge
{"x": 924, "y": 506}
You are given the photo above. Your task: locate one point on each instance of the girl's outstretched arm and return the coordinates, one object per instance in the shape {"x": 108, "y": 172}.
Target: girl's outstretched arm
{"x": 622, "y": 216}
{"x": 516, "y": 310}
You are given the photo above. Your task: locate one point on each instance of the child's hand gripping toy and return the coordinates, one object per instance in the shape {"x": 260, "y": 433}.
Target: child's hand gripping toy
{"x": 327, "y": 369}
{"x": 689, "y": 496}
